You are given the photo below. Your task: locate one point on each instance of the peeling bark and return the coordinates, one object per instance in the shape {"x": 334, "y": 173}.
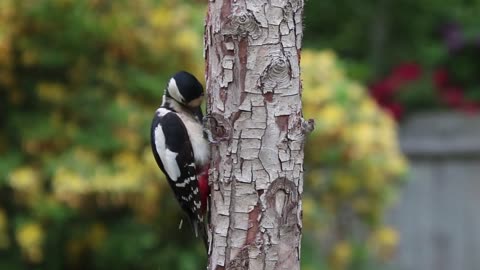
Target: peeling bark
{"x": 254, "y": 115}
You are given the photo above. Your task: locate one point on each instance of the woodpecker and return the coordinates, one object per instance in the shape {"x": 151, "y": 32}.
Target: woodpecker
{"x": 180, "y": 147}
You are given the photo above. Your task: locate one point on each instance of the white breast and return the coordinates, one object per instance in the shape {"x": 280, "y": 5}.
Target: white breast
{"x": 200, "y": 145}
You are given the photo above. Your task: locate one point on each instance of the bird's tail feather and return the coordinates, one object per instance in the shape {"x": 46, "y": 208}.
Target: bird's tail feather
{"x": 199, "y": 228}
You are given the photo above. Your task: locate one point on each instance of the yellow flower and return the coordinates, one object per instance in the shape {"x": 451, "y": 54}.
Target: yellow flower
{"x": 51, "y": 92}
{"x": 66, "y": 181}
{"x": 161, "y": 18}
{"x": 85, "y": 155}
{"x": 102, "y": 180}
{"x": 362, "y": 136}
{"x": 345, "y": 183}
{"x": 326, "y": 58}
{"x": 317, "y": 95}
{"x": 319, "y": 68}
{"x": 25, "y": 179}
{"x": 123, "y": 100}
{"x": 126, "y": 159}
{"x": 308, "y": 205}
{"x": 356, "y": 92}
{"x": 151, "y": 192}
{"x": 387, "y": 236}
{"x": 386, "y": 140}
{"x": 30, "y": 235}
{"x": 341, "y": 255}
{"x": 375, "y": 178}
{"x": 128, "y": 180}
{"x": 368, "y": 109}
{"x": 30, "y": 238}
{"x": 385, "y": 241}
{"x": 331, "y": 117}
{"x": 349, "y": 125}
{"x": 396, "y": 165}
{"x": 6, "y": 8}
{"x": 186, "y": 40}
{"x": 363, "y": 133}
{"x": 307, "y": 59}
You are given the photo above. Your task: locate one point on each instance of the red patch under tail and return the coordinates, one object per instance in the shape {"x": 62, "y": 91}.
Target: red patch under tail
{"x": 203, "y": 187}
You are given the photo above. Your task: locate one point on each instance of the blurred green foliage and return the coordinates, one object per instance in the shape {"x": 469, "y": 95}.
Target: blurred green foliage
{"x": 79, "y": 189}
{"x": 375, "y": 35}
{"x": 79, "y": 82}
{"x": 354, "y": 167}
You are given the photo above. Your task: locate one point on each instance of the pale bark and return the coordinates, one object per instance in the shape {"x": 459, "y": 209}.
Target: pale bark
{"x": 255, "y": 116}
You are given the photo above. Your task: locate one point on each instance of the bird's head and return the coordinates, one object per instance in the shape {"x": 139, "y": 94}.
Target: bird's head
{"x": 185, "y": 89}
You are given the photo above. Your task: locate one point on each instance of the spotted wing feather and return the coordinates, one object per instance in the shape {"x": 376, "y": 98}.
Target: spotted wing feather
{"x": 174, "y": 155}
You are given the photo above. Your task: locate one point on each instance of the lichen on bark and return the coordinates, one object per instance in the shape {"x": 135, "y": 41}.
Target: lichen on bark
{"x": 254, "y": 114}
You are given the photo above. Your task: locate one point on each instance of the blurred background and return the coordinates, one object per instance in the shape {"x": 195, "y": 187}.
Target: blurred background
{"x": 392, "y": 167}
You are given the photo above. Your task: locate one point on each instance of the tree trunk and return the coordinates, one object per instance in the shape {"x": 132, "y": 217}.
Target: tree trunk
{"x": 254, "y": 115}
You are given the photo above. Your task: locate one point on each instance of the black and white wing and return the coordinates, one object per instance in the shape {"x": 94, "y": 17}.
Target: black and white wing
{"x": 173, "y": 152}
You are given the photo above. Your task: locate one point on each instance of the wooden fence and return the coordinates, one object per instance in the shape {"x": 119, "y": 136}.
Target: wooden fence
{"x": 438, "y": 214}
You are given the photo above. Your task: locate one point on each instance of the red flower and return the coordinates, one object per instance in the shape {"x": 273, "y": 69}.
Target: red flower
{"x": 394, "y": 109}
{"x": 382, "y": 90}
{"x": 407, "y": 71}
{"x": 386, "y": 88}
{"x": 440, "y": 78}
{"x": 453, "y": 96}
{"x": 470, "y": 107}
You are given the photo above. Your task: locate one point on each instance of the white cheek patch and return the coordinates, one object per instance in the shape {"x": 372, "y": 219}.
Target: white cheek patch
{"x": 167, "y": 157}
{"x": 174, "y": 92}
